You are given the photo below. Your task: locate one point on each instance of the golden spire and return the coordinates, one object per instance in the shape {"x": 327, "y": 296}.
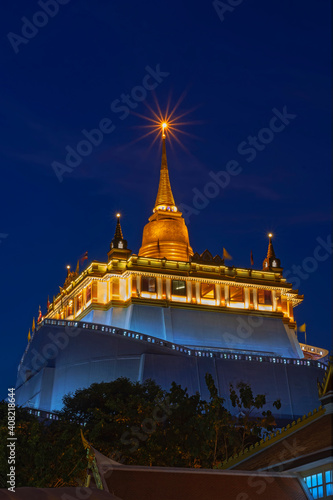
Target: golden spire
{"x": 270, "y": 251}
{"x": 164, "y": 198}
{"x": 118, "y": 235}
{"x": 118, "y": 246}
{"x": 166, "y": 234}
{"x": 271, "y": 262}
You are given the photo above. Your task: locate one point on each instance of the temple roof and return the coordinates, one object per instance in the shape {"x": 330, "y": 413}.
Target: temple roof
{"x": 292, "y": 449}
{"x": 164, "y": 483}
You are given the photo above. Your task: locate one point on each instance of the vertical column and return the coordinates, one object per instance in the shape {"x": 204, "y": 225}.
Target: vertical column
{"x": 101, "y": 296}
{"x": 107, "y": 292}
{"x": 247, "y": 297}
{"x": 274, "y": 303}
{"x": 218, "y": 294}
{"x": 94, "y": 291}
{"x": 189, "y": 291}
{"x": 159, "y": 287}
{"x": 290, "y": 310}
{"x": 226, "y": 294}
{"x": 122, "y": 288}
{"x": 197, "y": 293}
{"x": 222, "y": 295}
{"x": 255, "y": 298}
{"x": 251, "y": 298}
{"x": 193, "y": 291}
{"x": 133, "y": 286}
{"x": 138, "y": 284}
{"x": 168, "y": 288}
{"x": 129, "y": 287}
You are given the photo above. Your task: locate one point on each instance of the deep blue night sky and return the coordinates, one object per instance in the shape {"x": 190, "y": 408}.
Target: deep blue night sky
{"x": 263, "y": 56}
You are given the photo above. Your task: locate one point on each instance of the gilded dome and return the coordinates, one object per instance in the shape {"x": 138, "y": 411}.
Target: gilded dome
{"x": 166, "y": 237}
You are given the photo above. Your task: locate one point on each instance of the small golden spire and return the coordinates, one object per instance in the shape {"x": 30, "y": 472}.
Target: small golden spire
{"x": 271, "y": 262}
{"x": 164, "y": 200}
{"x": 118, "y": 246}
{"x": 270, "y": 251}
{"x": 118, "y": 232}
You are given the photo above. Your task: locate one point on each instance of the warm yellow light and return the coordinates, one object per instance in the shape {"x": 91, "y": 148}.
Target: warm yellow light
{"x": 164, "y": 126}
{"x": 68, "y": 267}
{"x": 270, "y": 235}
{"x": 118, "y": 215}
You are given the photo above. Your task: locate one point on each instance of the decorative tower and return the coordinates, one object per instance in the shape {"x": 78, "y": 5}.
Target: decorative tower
{"x": 118, "y": 246}
{"x": 166, "y": 233}
{"x": 271, "y": 263}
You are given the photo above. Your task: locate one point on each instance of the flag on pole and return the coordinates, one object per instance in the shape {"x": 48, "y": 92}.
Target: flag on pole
{"x": 302, "y": 328}
{"x": 226, "y": 255}
{"x": 39, "y": 315}
{"x": 252, "y": 262}
{"x": 33, "y": 328}
{"x": 29, "y": 336}
{"x": 83, "y": 258}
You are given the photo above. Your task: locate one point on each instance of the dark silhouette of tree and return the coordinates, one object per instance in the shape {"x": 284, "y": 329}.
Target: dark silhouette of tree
{"x": 134, "y": 423}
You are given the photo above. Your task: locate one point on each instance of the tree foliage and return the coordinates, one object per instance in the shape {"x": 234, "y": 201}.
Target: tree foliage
{"x": 134, "y": 423}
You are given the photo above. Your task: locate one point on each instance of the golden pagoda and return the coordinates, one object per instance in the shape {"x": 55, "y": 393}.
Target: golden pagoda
{"x": 166, "y": 234}
{"x": 171, "y": 315}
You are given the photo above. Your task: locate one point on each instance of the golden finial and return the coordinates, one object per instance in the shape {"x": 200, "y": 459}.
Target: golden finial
{"x": 118, "y": 235}
{"x": 164, "y": 126}
{"x": 164, "y": 200}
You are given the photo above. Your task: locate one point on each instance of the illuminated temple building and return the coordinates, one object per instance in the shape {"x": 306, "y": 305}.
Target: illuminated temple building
{"x": 171, "y": 314}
